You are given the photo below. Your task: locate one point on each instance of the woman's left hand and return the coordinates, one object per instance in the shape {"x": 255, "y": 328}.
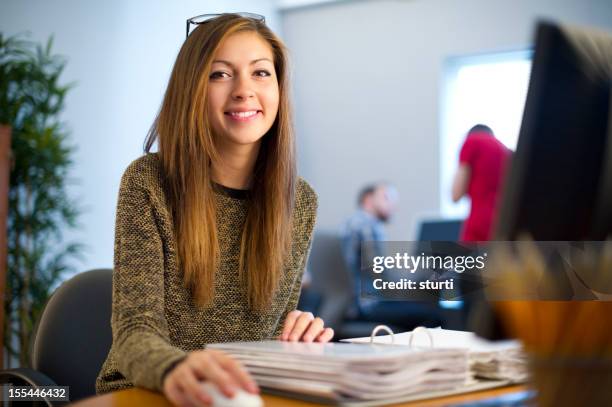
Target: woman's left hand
{"x": 304, "y": 327}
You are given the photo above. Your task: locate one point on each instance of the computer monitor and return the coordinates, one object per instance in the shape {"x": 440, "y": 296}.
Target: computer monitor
{"x": 560, "y": 183}
{"x": 559, "y": 187}
{"x": 440, "y": 230}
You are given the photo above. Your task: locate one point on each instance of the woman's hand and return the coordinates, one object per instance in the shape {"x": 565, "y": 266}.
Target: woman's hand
{"x": 183, "y": 384}
{"x": 304, "y": 327}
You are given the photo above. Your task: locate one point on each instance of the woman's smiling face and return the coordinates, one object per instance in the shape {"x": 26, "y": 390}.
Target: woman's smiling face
{"x": 243, "y": 92}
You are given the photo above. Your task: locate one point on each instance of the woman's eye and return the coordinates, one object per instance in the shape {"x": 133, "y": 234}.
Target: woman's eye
{"x": 262, "y": 73}
{"x": 218, "y": 75}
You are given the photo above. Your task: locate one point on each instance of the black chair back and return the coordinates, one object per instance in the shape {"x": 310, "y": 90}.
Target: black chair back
{"x": 330, "y": 277}
{"x": 74, "y": 334}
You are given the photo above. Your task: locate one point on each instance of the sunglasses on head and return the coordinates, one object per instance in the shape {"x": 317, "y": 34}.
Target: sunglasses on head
{"x": 203, "y": 18}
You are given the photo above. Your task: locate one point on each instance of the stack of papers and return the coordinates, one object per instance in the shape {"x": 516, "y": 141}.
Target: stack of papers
{"x": 503, "y": 360}
{"x": 348, "y": 372}
{"x": 510, "y": 364}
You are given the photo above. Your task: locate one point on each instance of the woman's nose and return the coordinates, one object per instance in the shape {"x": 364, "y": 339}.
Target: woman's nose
{"x": 242, "y": 89}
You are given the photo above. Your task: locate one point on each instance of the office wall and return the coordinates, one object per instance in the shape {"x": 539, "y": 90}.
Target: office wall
{"x": 367, "y": 84}
{"x": 120, "y": 54}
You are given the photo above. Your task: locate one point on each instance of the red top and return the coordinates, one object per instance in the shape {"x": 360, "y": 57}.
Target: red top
{"x": 487, "y": 157}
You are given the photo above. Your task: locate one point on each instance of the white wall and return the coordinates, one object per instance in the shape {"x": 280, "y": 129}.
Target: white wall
{"x": 367, "y": 85}
{"x": 120, "y": 53}
{"x": 292, "y": 4}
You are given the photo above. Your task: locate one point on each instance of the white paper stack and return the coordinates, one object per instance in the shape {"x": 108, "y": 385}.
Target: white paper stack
{"x": 510, "y": 364}
{"x": 503, "y": 360}
{"x": 346, "y": 372}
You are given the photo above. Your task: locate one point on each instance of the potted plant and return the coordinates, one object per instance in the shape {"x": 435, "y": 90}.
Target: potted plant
{"x": 39, "y": 207}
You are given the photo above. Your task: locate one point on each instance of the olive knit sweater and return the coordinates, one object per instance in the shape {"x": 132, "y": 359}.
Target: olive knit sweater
{"x": 154, "y": 318}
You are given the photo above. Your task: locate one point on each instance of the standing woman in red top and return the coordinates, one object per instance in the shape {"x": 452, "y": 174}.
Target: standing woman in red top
{"x": 482, "y": 163}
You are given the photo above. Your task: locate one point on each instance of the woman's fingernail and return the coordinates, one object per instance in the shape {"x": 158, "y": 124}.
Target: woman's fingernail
{"x": 229, "y": 390}
{"x": 253, "y": 388}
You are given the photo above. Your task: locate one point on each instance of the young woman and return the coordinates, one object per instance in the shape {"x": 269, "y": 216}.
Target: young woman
{"x": 213, "y": 231}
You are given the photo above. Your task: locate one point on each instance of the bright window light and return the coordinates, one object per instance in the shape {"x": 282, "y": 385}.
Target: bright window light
{"x": 487, "y": 89}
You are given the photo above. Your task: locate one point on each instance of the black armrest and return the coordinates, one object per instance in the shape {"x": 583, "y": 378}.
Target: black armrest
{"x": 23, "y": 376}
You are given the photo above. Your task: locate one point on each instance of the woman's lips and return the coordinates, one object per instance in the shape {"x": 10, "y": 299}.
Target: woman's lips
{"x": 243, "y": 116}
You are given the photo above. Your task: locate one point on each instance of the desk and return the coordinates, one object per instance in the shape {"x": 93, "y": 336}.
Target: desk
{"x": 142, "y": 397}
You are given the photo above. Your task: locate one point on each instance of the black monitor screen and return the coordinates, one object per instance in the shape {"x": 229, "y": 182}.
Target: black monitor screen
{"x": 559, "y": 186}
{"x": 440, "y": 230}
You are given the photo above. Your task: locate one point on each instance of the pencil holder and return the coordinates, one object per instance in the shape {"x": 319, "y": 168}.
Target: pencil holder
{"x": 568, "y": 338}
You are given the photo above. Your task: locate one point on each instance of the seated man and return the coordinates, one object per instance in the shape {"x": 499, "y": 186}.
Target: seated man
{"x": 377, "y": 203}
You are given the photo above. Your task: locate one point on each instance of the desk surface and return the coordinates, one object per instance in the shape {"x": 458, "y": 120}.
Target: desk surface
{"x": 138, "y": 397}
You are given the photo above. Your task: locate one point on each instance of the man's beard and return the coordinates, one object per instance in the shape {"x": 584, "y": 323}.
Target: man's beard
{"x": 383, "y": 218}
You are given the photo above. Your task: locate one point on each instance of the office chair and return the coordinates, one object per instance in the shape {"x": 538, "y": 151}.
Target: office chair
{"x": 72, "y": 338}
{"x": 333, "y": 281}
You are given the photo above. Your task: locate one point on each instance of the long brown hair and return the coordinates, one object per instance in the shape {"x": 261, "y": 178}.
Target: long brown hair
{"x": 186, "y": 149}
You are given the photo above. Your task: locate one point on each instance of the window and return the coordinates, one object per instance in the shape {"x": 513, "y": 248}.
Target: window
{"x": 488, "y": 89}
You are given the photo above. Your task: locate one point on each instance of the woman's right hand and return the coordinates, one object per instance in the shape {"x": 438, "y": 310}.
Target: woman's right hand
{"x": 183, "y": 384}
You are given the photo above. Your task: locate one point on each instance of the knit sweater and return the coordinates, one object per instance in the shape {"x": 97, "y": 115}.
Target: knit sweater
{"x": 155, "y": 320}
